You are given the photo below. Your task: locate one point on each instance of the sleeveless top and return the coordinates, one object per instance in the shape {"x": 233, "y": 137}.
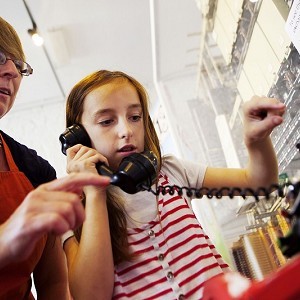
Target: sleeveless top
{"x": 15, "y": 279}
{"x": 174, "y": 256}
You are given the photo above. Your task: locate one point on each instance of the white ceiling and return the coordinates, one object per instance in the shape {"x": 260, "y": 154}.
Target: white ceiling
{"x": 156, "y": 39}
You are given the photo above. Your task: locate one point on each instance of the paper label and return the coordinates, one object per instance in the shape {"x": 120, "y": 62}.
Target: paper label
{"x": 292, "y": 25}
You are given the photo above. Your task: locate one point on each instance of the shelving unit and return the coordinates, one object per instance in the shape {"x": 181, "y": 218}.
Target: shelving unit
{"x": 287, "y": 87}
{"x": 257, "y": 59}
{"x": 254, "y": 57}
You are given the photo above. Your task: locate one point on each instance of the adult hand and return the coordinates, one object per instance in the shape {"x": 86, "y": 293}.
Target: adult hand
{"x": 261, "y": 116}
{"x": 54, "y": 207}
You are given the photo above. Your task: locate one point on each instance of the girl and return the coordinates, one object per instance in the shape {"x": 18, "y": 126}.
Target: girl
{"x": 141, "y": 246}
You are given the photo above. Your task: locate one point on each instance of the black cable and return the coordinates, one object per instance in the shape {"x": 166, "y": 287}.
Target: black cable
{"x": 219, "y": 193}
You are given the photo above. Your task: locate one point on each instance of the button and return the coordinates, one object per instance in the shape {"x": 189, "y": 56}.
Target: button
{"x": 170, "y": 275}
{"x": 151, "y": 233}
{"x": 181, "y": 297}
{"x": 161, "y": 257}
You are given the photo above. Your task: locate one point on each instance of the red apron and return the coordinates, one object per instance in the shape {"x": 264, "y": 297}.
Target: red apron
{"x": 15, "y": 280}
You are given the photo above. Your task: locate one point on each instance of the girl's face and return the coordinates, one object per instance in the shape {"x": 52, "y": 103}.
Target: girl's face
{"x": 113, "y": 117}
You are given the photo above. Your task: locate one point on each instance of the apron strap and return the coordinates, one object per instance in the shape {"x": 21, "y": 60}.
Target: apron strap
{"x": 11, "y": 164}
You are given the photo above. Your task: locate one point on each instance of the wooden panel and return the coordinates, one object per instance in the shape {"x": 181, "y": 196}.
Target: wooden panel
{"x": 222, "y": 40}
{"x": 244, "y": 87}
{"x": 236, "y": 7}
{"x": 261, "y": 63}
{"x": 265, "y": 56}
{"x": 272, "y": 24}
{"x": 225, "y": 27}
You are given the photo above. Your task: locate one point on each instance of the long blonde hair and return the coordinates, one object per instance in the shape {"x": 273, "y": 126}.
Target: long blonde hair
{"x": 74, "y": 111}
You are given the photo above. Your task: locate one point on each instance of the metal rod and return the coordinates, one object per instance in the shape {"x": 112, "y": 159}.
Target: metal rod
{"x": 34, "y": 27}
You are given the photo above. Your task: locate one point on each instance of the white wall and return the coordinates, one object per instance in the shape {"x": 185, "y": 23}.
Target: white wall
{"x": 39, "y": 128}
{"x": 175, "y": 96}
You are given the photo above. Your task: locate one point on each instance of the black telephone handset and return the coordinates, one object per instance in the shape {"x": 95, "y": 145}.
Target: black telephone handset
{"x": 136, "y": 172}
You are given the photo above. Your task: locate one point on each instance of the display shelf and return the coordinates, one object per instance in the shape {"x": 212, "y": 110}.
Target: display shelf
{"x": 287, "y": 88}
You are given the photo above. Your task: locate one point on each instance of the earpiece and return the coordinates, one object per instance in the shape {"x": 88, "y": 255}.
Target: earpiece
{"x": 75, "y": 134}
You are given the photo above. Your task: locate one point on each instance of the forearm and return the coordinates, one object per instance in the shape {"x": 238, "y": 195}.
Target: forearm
{"x": 57, "y": 291}
{"x": 262, "y": 169}
{"x": 4, "y": 254}
{"x": 10, "y": 245}
{"x": 261, "y": 116}
{"x": 50, "y": 274}
{"x": 92, "y": 271}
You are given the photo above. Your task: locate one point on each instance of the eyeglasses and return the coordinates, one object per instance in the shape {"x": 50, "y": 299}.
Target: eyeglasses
{"x": 23, "y": 67}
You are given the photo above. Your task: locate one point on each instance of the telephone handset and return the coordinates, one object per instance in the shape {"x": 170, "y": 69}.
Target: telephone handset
{"x": 136, "y": 172}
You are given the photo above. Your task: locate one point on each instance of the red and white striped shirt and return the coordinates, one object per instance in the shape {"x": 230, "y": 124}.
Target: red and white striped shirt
{"x": 174, "y": 255}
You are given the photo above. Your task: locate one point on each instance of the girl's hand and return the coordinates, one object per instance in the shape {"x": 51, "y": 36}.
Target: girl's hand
{"x": 261, "y": 116}
{"x": 83, "y": 159}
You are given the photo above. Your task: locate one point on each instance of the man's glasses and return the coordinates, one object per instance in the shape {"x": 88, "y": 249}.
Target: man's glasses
{"x": 23, "y": 67}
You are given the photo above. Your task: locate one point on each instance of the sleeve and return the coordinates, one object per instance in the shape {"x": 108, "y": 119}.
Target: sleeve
{"x": 37, "y": 169}
{"x": 184, "y": 172}
{"x": 66, "y": 236}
